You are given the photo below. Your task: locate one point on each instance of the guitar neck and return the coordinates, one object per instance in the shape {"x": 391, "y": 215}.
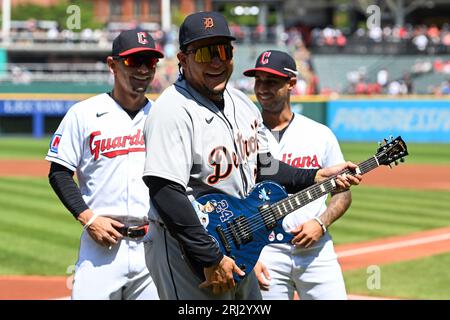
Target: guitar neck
{"x": 282, "y": 208}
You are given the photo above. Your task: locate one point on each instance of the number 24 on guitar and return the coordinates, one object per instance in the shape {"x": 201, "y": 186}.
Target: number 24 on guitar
{"x": 242, "y": 227}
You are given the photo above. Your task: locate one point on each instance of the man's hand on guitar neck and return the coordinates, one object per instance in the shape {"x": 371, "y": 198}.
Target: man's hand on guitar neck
{"x": 220, "y": 276}
{"x": 343, "y": 181}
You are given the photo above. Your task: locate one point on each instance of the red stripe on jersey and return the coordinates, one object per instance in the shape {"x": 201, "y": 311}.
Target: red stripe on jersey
{"x": 115, "y": 153}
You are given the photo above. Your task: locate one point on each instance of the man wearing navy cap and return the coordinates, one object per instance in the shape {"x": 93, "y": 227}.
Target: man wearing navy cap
{"x": 203, "y": 136}
{"x": 308, "y": 265}
{"x": 101, "y": 140}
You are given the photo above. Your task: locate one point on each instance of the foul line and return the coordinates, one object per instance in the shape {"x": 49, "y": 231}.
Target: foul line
{"x": 400, "y": 244}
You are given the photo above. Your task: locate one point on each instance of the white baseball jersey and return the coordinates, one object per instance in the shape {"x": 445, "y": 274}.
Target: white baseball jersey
{"x": 105, "y": 147}
{"x": 306, "y": 144}
{"x": 99, "y": 140}
{"x": 313, "y": 272}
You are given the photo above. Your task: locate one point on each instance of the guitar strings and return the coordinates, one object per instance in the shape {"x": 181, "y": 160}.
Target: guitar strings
{"x": 269, "y": 212}
{"x": 369, "y": 164}
{"x": 254, "y": 221}
{"x": 303, "y": 198}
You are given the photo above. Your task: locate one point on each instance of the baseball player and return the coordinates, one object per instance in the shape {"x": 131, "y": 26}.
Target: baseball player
{"x": 101, "y": 139}
{"x": 309, "y": 264}
{"x": 203, "y": 136}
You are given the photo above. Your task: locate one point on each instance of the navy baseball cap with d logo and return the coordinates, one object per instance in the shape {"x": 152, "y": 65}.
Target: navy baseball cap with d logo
{"x": 202, "y": 25}
{"x": 133, "y": 41}
{"x": 275, "y": 62}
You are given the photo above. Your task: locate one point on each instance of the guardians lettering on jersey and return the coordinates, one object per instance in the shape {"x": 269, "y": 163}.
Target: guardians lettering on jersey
{"x": 301, "y": 162}
{"x": 223, "y": 161}
{"x": 117, "y": 146}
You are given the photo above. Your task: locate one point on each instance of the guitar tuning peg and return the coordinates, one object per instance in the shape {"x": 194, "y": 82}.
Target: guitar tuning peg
{"x": 396, "y": 162}
{"x": 390, "y": 165}
{"x": 391, "y": 137}
{"x": 402, "y": 160}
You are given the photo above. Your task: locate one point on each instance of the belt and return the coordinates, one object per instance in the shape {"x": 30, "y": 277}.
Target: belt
{"x": 159, "y": 223}
{"x": 133, "y": 232}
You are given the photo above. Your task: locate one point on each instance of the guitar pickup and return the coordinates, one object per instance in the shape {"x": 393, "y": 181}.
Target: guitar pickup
{"x": 223, "y": 239}
{"x": 269, "y": 220}
{"x": 240, "y": 231}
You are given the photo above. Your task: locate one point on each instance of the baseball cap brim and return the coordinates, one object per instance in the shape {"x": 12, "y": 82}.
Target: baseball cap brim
{"x": 158, "y": 53}
{"x": 231, "y": 38}
{"x": 251, "y": 72}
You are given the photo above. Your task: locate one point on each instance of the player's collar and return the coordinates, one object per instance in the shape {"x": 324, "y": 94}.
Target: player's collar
{"x": 187, "y": 89}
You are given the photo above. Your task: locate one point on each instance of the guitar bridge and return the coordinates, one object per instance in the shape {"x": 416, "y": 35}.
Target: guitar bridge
{"x": 224, "y": 240}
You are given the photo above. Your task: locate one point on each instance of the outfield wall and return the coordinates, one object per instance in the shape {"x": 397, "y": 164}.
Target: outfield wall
{"x": 369, "y": 120}
{"x": 417, "y": 119}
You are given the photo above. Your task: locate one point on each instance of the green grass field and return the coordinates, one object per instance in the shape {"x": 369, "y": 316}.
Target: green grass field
{"x": 39, "y": 236}
{"x": 425, "y": 278}
{"x": 419, "y": 153}
{"x": 378, "y": 212}
{"x": 23, "y": 148}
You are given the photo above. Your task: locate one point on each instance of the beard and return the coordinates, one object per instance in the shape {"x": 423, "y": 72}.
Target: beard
{"x": 213, "y": 93}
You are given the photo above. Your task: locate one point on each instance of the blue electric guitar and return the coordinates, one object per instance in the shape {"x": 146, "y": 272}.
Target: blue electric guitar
{"x": 242, "y": 227}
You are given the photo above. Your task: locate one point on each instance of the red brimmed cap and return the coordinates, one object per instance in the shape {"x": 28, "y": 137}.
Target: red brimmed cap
{"x": 275, "y": 62}
{"x": 133, "y": 41}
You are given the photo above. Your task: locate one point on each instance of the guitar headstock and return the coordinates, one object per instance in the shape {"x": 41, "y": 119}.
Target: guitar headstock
{"x": 393, "y": 150}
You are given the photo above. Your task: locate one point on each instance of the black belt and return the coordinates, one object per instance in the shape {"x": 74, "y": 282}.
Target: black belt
{"x": 133, "y": 232}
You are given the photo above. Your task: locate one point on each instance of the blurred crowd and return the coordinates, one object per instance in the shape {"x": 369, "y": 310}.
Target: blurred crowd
{"x": 384, "y": 83}
{"x": 292, "y": 39}
{"x": 422, "y": 37}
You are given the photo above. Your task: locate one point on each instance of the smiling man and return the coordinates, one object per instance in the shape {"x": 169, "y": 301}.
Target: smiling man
{"x": 101, "y": 140}
{"x": 203, "y": 136}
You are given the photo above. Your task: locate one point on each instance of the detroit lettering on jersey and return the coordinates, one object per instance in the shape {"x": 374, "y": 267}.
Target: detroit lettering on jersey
{"x": 115, "y": 146}
{"x": 223, "y": 161}
{"x": 301, "y": 162}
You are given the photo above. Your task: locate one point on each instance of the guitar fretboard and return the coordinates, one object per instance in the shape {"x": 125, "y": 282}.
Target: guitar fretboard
{"x": 282, "y": 208}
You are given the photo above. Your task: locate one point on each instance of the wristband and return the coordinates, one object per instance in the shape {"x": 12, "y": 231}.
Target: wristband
{"x": 91, "y": 220}
{"x": 321, "y": 224}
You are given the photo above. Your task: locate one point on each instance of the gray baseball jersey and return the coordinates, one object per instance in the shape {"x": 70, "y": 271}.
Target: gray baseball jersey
{"x": 189, "y": 141}
{"x": 193, "y": 144}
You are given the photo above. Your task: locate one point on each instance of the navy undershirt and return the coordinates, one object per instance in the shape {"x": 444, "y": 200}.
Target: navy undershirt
{"x": 278, "y": 134}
